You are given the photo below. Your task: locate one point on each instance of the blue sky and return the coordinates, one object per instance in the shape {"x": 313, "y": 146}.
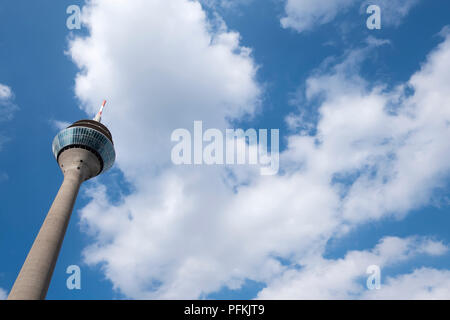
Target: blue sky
{"x": 149, "y": 229}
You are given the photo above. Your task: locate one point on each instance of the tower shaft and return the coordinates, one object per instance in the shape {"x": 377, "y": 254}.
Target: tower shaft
{"x": 34, "y": 278}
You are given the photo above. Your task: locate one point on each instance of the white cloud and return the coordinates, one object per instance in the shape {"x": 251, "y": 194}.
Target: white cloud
{"x": 172, "y": 71}
{"x": 5, "y": 92}
{"x": 320, "y": 278}
{"x": 226, "y": 4}
{"x": 7, "y": 109}
{"x": 304, "y": 15}
{"x": 377, "y": 138}
{"x": 3, "y": 294}
{"x": 6, "y": 106}
{"x": 184, "y": 232}
{"x": 421, "y": 284}
{"x": 59, "y": 125}
{"x": 176, "y": 68}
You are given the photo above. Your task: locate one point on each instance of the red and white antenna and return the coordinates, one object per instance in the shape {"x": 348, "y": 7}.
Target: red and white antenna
{"x": 98, "y": 117}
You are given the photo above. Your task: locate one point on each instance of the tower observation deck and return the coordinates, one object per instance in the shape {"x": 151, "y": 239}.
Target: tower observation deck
{"x": 83, "y": 150}
{"x": 90, "y": 135}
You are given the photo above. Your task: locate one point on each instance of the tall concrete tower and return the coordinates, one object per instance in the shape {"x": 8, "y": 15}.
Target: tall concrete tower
{"x": 83, "y": 150}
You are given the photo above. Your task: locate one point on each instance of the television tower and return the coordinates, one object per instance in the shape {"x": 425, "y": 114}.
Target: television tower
{"x": 83, "y": 150}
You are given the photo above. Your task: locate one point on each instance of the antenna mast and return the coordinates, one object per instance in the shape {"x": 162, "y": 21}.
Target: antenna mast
{"x": 98, "y": 117}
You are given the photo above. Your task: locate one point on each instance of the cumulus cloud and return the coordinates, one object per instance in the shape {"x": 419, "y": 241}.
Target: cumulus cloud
{"x": 378, "y": 138}
{"x": 184, "y": 232}
{"x": 304, "y": 15}
{"x": 321, "y": 278}
{"x": 421, "y": 284}
{"x": 176, "y": 68}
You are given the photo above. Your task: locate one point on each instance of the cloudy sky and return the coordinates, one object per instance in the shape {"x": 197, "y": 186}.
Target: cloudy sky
{"x": 364, "y": 122}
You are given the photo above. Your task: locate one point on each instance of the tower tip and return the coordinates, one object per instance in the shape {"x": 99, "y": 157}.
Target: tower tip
{"x": 98, "y": 117}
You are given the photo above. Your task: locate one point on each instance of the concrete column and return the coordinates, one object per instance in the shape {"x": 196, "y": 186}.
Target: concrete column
{"x": 34, "y": 278}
